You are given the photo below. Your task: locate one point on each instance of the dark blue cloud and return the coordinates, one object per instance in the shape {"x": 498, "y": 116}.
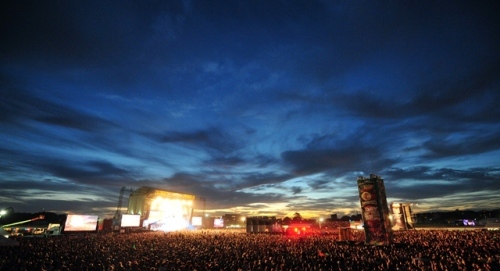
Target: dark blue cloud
{"x": 271, "y": 108}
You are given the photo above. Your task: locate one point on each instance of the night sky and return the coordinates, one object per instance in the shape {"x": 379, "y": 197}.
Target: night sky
{"x": 260, "y": 107}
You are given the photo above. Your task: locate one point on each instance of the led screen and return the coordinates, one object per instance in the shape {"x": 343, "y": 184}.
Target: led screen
{"x": 196, "y": 221}
{"x": 131, "y": 221}
{"x": 81, "y": 223}
{"x": 218, "y": 223}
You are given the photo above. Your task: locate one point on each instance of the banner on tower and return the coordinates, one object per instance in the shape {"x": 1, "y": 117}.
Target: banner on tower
{"x": 374, "y": 210}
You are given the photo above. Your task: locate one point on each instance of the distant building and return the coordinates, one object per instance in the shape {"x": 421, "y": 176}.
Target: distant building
{"x": 234, "y": 221}
{"x": 263, "y": 224}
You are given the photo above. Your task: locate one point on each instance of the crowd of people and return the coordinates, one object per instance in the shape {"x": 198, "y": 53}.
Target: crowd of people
{"x": 238, "y": 251}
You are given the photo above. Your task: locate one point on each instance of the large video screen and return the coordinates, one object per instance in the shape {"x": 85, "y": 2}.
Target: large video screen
{"x": 196, "y": 221}
{"x": 81, "y": 223}
{"x": 218, "y": 223}
{"x": 131, "y": 220}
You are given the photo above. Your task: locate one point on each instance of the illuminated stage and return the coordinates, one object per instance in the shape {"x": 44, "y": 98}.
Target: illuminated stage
{"x": 161, "y": 209}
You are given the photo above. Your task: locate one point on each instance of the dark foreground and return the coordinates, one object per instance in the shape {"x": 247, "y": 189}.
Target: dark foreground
{"x": 413, "y": 250}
